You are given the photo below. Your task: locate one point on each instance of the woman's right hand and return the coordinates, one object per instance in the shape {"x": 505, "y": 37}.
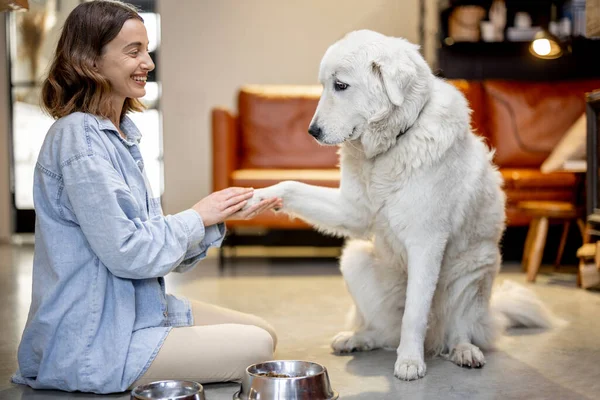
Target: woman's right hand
{"x": 218, "y": 206}
{"x": 222, "y": 205}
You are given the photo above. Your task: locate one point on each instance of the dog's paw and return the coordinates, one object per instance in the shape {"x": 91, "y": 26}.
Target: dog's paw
{"x": 258, "y": 196}
{"x": 348, "y": 341}
{"x": 409, "y": 369}
{"x": 252, "y": 201}
{"x": 262, "y": 194}
{"x": 467, "y": 355}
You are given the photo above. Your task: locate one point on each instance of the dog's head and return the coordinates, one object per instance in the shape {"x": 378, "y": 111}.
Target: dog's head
{"x": 374, "y": 86}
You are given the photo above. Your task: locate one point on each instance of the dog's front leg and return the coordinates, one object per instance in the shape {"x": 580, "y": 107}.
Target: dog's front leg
{"x": 424, "y": 262}
{"x": 325, "y": 208}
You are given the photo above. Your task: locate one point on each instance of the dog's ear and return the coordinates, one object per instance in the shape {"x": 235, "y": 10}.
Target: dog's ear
{"x": 396, "y": 74}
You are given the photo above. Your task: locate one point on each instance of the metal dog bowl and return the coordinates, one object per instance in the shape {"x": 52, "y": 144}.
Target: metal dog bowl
{"x": 286, "y": 380}
{"x": 169, "y": 390}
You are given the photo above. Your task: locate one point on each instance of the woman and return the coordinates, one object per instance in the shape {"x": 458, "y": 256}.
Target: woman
{"x": 100, "y": 319}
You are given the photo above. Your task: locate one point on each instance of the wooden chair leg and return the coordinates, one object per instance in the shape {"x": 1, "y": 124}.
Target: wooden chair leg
{"x": 561, "y": 246}
{"x": 583, "y": 228}
{"x": 528, "y": 241}
{"x": 537, "y": 249}
{"x": 221, "y": 258}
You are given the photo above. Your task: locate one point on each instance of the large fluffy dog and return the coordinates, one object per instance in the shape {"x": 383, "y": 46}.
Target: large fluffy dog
{"x": 421, "y": 199}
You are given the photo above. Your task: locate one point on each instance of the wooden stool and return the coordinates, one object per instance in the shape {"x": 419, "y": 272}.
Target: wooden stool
{"x": 541, "y": 212}
{"x": 589, "y": 265}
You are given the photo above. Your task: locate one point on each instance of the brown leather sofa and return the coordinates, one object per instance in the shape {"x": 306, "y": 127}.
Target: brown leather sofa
{"x": 266, "y": 141}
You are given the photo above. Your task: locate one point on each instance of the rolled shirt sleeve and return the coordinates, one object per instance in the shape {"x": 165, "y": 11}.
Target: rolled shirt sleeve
{"x": 214, "y": 236}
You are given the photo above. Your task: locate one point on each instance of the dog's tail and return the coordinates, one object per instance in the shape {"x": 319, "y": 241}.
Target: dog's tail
{"x": 517, "y": 306}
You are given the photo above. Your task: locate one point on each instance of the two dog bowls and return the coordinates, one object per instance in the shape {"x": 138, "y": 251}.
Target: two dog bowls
{"x": 272, "y": 380}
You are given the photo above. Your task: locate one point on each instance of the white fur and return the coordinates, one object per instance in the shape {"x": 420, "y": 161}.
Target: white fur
{"x": 425, "y": 210}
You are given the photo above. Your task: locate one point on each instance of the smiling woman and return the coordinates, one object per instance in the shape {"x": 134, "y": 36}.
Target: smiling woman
{"x": 99, "y": 306}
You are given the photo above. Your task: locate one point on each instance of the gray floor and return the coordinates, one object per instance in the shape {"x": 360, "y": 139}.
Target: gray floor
{"x": 307, "y": 302}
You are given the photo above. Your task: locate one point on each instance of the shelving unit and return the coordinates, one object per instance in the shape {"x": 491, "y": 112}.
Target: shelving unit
{"x": 512, "y": 60}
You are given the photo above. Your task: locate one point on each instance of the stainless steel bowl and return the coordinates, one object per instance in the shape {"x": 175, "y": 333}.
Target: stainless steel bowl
{"x": 169, "y": 390}
{"x": 286, "y": 380}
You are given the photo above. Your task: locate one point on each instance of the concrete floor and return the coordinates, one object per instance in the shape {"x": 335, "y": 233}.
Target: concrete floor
{"x": 307, "y": 302}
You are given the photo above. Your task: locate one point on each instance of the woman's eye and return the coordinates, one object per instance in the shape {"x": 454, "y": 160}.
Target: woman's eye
{"x": 134, "y": 53}
{"x": 339, "y": 86}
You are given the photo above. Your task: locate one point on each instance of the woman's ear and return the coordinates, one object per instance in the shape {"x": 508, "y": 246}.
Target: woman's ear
{"x": 96, "y": 63}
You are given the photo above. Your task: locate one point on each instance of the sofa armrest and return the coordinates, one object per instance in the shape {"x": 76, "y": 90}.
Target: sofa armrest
{"x": 225, "y": 147}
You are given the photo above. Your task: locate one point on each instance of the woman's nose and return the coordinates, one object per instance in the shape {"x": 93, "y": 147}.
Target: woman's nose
{"x": 148, "y": 63}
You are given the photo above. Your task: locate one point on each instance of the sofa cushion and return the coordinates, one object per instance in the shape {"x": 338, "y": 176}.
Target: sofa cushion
{"x": 269, "y": 220}
{"x": 258, "y": 178}
{"x": 513, "y": 196}
{"x": 521, "y": 184}
{"x": 274, "y": 124}
{"x": 529, "y": 178}
{"x": 525, "y": 120}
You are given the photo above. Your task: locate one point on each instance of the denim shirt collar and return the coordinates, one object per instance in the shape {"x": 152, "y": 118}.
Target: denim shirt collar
{"x": 132, "y": 134}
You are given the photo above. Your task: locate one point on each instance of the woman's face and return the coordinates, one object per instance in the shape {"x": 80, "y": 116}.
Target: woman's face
{"x": 125, "y": 61}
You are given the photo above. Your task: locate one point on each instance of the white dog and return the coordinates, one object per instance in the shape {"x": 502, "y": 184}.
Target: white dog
{"x": 421, "y": 199}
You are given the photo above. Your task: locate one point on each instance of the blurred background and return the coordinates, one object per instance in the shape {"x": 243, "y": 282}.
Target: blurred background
{"x": 525, "y": 67}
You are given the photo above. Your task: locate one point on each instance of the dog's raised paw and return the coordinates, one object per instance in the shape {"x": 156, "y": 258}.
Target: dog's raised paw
{"x": 409, "y": 369}
{"x": 252, "y": 201}
{"x": 348, "y": 341}
{"x": 467, "y": 355}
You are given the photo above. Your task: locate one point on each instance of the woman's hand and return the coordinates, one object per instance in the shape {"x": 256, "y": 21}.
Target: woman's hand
{"x": 228, "y": 203}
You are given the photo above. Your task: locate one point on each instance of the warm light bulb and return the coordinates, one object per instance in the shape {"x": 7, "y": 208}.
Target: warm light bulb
{"x": 542, "y": 47}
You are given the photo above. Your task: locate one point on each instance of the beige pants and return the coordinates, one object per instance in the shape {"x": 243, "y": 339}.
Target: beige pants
{"x": 218, "y": 348}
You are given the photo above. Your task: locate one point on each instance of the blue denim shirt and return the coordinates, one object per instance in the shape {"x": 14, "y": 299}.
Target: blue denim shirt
{"x": 99, "y": 311}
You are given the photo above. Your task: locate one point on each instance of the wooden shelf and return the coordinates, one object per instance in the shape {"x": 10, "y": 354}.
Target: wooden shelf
{"x": 512, "y": 60}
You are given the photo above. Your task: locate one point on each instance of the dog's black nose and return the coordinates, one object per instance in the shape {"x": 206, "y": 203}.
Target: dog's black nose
{"x": 314, "y": 130}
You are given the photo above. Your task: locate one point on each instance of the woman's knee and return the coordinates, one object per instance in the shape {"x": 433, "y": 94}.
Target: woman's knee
{"x": 262, "y": 346}
{"x": 258, "y": 348}
{"x": 255, "y": 320}
{"x": 269, "y": 329}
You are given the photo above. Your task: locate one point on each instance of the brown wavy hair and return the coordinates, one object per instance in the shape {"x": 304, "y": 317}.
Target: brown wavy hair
{"x": 73, "y": 84}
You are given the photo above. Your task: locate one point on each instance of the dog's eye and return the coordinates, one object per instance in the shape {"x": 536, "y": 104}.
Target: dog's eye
{"x": 339, "y": 86}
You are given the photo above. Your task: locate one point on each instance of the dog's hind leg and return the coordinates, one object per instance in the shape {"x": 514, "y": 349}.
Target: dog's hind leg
{"x": 470, "y": 324}
{"x": 378, "y": 290}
